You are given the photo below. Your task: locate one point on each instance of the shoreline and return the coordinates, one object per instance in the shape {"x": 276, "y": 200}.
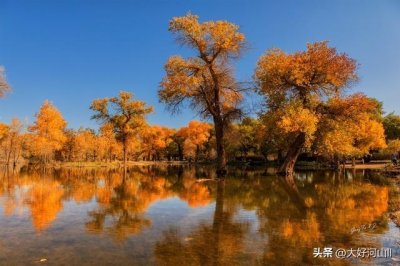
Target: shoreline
{"x": 383, "y": 166}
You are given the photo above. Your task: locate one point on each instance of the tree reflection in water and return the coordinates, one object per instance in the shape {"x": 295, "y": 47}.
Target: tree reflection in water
{"x": 293, "y": 220}
{"x": 255, "y": 219}
{"x": 124, "y": 206}
{"x": 216, "y": 243}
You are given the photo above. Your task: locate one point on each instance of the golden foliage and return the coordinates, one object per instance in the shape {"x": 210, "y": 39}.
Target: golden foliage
{"x": 127, "y": 116}
{"x": 209, "y": 37}
{"x": 350, "y": 127}
{"x": 47, "y": 131}
{"x": 295, "y": 119}
{"x": 320, "y": 70}
{"x": 196, "y": 134}
{"x": 12, "y": 140}
{"x": 393, "y": 146}
{"x": 155, "y": 139}
{"x": 304, "y": 93}
{"x": 108, "y": 138}
{"x": 122, "y": 112}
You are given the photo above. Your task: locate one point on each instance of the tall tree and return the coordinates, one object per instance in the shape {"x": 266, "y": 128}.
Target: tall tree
{"x": 124, "y": 114}
{"x": 205, "y": 80}
{"x": 296, "y": 85}
{"x": 48, "y": 132}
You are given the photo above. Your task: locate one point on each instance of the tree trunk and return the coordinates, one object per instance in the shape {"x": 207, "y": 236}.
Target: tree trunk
{"x": 221, "y": 156}
{"x": 291, "y": 156}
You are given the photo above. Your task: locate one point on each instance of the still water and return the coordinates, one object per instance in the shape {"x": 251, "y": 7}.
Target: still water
{"x": 181, "y": 216}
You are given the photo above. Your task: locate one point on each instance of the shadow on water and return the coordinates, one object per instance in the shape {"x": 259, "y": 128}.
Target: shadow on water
{"x": 184, "y": 215}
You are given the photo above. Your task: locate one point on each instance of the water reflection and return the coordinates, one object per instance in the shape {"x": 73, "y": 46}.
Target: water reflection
{"x": 248, "y": 218}
{"x": 218, "y": 242}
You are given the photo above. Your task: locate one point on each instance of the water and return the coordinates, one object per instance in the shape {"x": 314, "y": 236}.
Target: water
{"x": 178, "y": 216}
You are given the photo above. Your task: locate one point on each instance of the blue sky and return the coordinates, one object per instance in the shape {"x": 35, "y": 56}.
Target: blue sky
{"x": 71, "y": 52}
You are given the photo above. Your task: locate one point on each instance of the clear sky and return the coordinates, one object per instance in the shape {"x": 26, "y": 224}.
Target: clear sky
{"x": 71, "y": 52}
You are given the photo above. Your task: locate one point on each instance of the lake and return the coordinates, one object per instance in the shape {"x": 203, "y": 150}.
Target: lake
{"x": 182, "y": 216}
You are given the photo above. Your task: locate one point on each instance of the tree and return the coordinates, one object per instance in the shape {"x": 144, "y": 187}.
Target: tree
{"x": 295, "y": 85}
{"x": 124, "y": 114}
{"x": 349, "y": 126}
{"x": 393, "y": 147}
{"x": 48, "y": 132}
{"x": 69, "y": 148}
{"x": 155, "y": 139}
{"x": 108, "y": 136}
{"x": 206, "y": 80}
{"x": 4, "y": 87}
{"x": 86, "y": 144}
{"x": 176, "y": 146}
{"x": 244, "y": 137}
{"x": 391, "y": 122}
{"x": 12, "y": 142}
{"x": 195, "y": 135}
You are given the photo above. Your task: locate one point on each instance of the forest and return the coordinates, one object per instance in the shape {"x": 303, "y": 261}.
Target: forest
{"x": 308, "y": 112}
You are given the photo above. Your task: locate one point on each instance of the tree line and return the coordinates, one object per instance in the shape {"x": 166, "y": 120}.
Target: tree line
{"x": 307, "y": 109}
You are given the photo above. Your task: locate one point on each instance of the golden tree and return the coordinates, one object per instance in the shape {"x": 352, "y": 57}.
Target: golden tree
{"x": 296, "y": 85}
{"x": 48, "y": 132}
{"x": 108, "y": 137}
{"x": 205, "y": 80}
{"x": 126, "y": 116}
{"x": 68, "y": 151}
{"x": 155, "y": 139}
{"x": 243, "y": 138}
{"x": 349, "y": 127}
{"x": 393, "y": 147}
{"x": 86, "y": 144}
{"x": 12, "y": 141}
{"x": 196, "y": 134}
